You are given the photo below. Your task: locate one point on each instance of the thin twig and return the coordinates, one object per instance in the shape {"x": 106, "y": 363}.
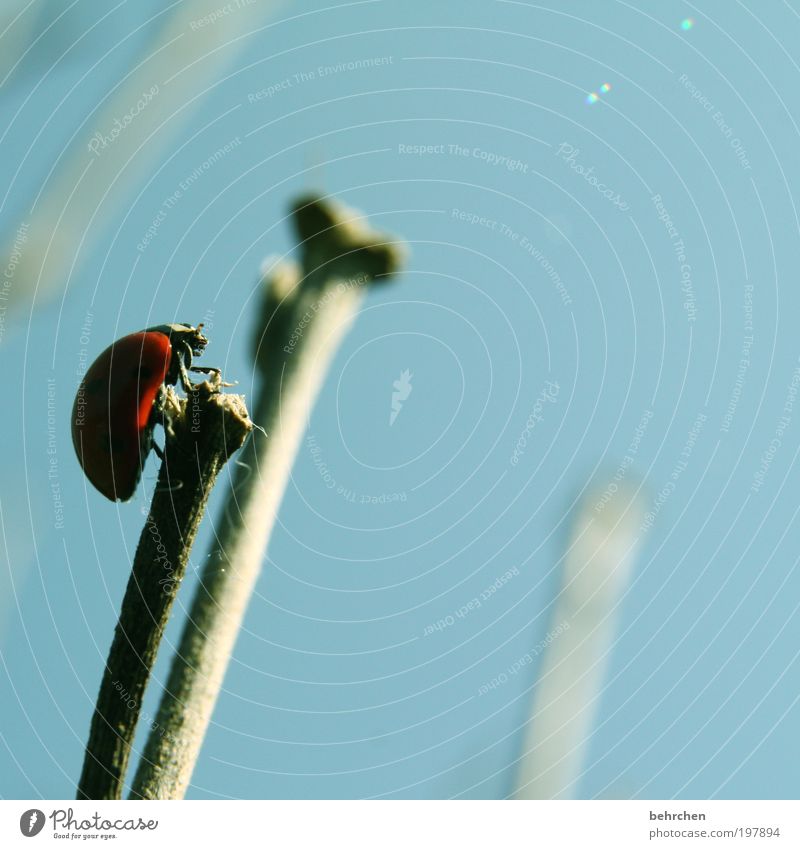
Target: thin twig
{"x": 304, "y": 318}
{"x": 206, "y": 429}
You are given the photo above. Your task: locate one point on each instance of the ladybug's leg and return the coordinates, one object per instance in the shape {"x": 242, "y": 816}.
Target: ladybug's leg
{"x": 218, "y": 381}
{"x": 185, "y": 356}
{"x": 159, "y": 451}
{"x": 185, "y": 366}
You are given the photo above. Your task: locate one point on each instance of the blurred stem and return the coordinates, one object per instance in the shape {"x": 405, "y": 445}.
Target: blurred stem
{"x": 303, "y": 320}
{"x": 201, "y": 441}
{"x": 597, "y": 570}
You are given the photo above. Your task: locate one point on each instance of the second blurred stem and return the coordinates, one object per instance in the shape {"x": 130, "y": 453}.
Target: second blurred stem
{"x": 597, "y": 570}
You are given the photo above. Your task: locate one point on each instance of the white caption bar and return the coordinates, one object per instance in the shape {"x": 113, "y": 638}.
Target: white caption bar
{"x": 401, "y": 824}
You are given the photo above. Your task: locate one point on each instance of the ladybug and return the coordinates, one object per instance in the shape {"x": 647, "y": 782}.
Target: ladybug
{"x": 121, "y": 398}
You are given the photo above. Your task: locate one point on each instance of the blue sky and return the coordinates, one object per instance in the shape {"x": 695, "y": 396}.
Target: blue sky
{"x": 640, "y": 251}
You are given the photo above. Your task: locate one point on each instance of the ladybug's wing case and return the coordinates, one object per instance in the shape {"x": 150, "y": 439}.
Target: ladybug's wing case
{"x": 112, "y": 426}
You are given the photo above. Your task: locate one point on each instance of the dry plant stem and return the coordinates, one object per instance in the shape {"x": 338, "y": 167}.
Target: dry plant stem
{"x": 208, "y": 428}
{"x": 304, "y": 320}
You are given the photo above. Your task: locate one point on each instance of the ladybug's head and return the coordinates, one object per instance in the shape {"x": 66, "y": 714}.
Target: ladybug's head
{"x": 183, "y": 336}
{"x": 187, "y": 341}
{"x": 189, "y": 335}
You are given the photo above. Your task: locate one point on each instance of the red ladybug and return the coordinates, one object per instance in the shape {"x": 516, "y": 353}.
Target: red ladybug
{"x": 120, "y": 399}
